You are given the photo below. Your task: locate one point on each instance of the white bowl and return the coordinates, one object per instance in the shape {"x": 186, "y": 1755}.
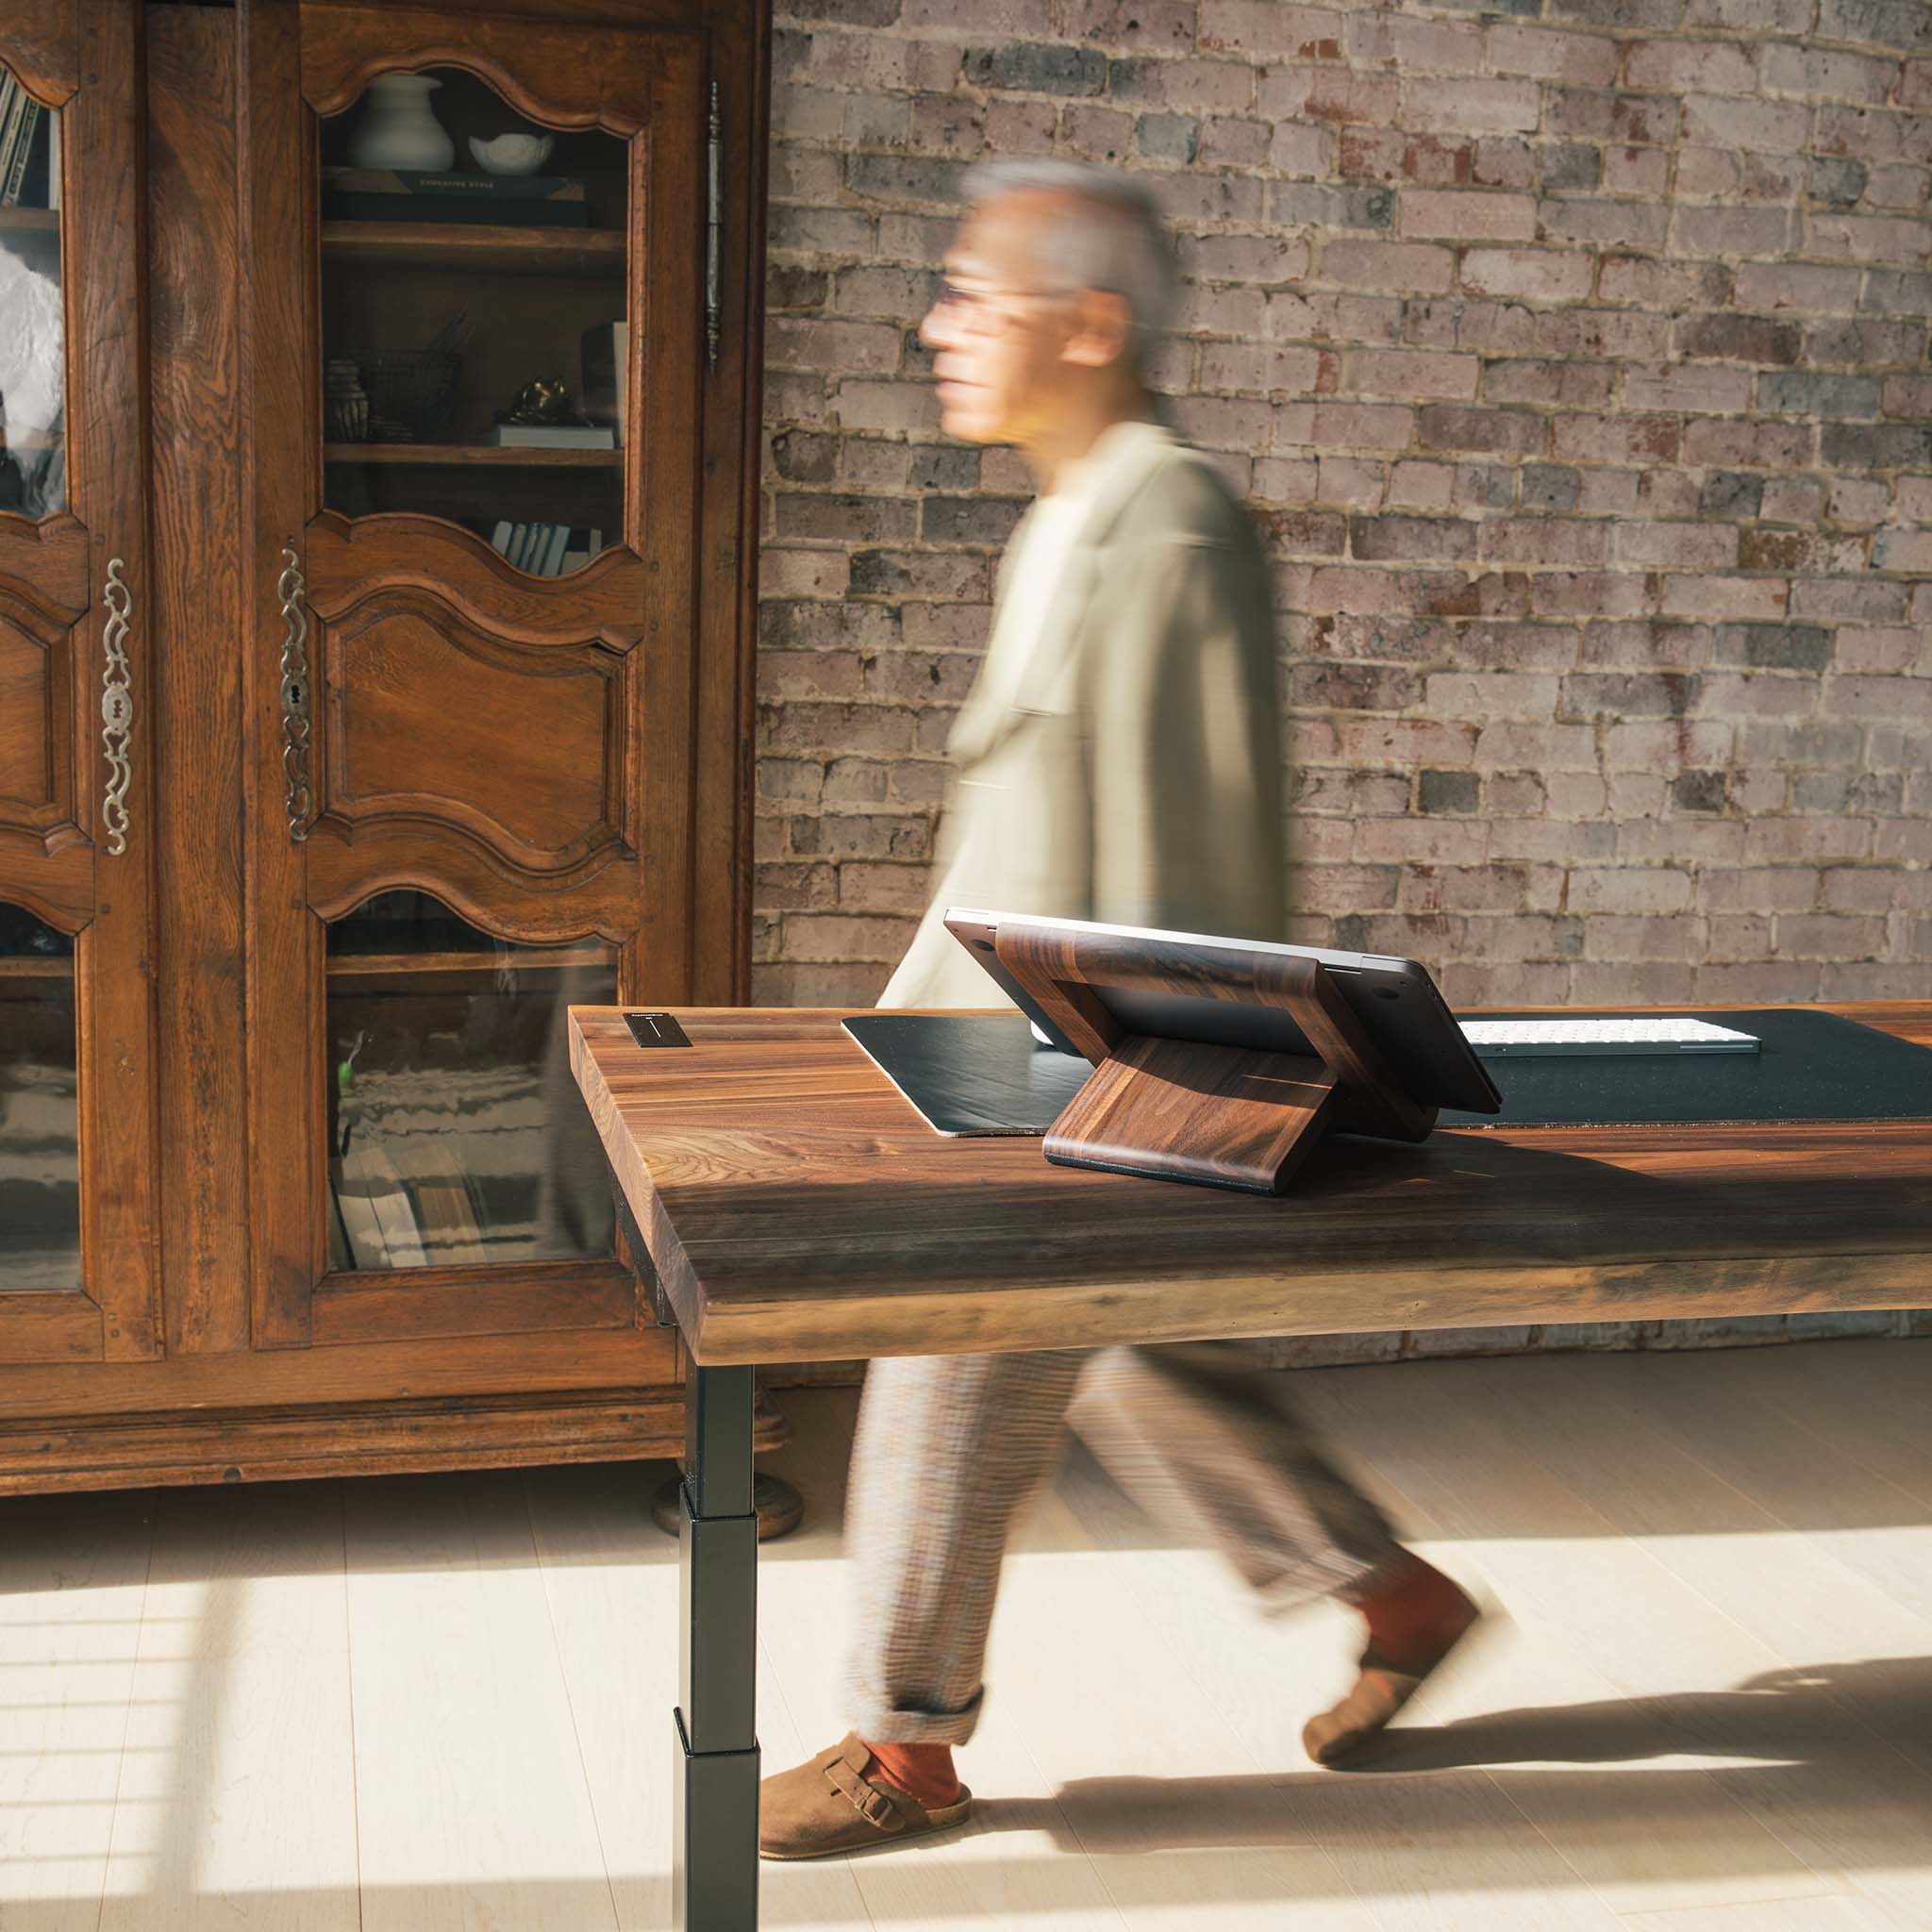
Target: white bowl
{"x": 512, "y": 154}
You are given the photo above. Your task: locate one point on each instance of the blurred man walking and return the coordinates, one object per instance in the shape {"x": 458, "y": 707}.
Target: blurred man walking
{"x": 1119, "y": 759}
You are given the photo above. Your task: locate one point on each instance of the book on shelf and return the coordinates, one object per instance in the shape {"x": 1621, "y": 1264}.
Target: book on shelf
{"x": 409, "y": 194}
{"x": 550, "y": 436}
{"x": 607, "y": 373}
{"x": 24, "y": 141}
{"x": 547, "y": 550}
{"x": 14, "y": 106}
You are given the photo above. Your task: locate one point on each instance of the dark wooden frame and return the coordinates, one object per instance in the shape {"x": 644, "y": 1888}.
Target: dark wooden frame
{"x": 225, "y": 1348}
{"x": 85, "y": 58}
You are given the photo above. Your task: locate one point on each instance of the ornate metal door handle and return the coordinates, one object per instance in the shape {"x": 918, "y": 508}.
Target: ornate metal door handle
{"x": 289, "y": 588}
{"x": 117, "y": 707}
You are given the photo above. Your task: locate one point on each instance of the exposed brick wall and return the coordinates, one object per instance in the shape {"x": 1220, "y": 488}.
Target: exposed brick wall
{"x": 1574, "y": 358}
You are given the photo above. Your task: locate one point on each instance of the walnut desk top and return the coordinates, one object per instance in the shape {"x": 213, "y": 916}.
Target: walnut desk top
{"x": 797, "y": 1208}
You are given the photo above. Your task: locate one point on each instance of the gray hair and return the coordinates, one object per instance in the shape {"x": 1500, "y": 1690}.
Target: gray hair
{"x": 1112, "y": 237}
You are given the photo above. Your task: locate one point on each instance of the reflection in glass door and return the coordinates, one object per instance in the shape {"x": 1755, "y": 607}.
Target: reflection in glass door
{"x": 33, "y": 416}
{"x": 456, "y": 1133}
{"x": 474, "y": 322}
{"x": 40, "y": 1117}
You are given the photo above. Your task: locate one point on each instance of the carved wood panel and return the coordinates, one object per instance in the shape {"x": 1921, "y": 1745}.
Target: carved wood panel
{"x": 433, "y": 723}
{"x": 519, "y": 746}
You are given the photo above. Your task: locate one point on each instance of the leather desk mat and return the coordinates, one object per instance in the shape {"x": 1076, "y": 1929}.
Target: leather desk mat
{"x": 983, "y": 1074}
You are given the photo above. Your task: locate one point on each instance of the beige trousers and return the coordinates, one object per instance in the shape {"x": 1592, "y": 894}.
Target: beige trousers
{"x": 950, "y": 1446}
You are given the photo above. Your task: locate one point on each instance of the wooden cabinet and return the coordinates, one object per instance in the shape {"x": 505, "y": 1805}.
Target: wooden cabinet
{"x": 438, "y": 684}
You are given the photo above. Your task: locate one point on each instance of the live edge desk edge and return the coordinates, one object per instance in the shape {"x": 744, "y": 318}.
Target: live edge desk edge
{"x": 794, "y": 1207}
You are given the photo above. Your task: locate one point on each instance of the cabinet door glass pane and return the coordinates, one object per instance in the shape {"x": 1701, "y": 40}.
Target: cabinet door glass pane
{"x": 457, "y": 1133}
{"x": 33, "y": 372}
{"x": 39, "y": 1118}
{"x": 474, "y": 323}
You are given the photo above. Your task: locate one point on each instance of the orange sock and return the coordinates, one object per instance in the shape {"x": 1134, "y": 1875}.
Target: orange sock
{"x": 923, "y": 1771}
{"x": 1415, "y": 1615}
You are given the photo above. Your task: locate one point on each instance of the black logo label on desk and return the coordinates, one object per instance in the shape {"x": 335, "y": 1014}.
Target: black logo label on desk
{"x": 656, "y": 1029}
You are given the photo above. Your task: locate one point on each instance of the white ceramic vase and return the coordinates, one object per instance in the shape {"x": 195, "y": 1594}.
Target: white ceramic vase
{"x": 399, "y": 129}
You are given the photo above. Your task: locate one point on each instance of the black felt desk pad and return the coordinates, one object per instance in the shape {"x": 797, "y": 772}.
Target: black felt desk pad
{"x": 980, "y": 1073}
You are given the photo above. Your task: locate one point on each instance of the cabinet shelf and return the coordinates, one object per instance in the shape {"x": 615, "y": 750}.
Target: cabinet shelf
{"x": 377, "y": 966}
{"x": 35, "y": 229}
{"x": 463, "y": 456}
{"x": 33, "y": 967}
{"x": 506, "y": 248}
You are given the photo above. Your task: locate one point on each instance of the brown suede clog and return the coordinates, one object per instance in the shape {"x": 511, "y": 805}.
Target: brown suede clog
{"x": 1344, "y": 1733}
{"x": 829, "y": 1806}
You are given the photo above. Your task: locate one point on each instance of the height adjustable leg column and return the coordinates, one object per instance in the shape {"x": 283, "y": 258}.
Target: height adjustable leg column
{"x": 715, "y": 1779}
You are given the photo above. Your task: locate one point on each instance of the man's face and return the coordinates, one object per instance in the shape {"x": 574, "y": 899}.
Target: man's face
{"x": 1001, "y": 342}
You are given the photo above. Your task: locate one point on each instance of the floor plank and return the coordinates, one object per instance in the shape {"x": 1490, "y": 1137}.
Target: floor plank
{"x": 238, "y": 1782}
{"x": 474, "y": 1814}
{"x": 72, "y": 1579}
{"x": 1816, "y": 1777}
{"x": 428, "y": 1704}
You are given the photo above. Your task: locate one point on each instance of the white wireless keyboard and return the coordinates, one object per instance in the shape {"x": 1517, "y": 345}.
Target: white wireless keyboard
{"x": 1551, "y": 1039}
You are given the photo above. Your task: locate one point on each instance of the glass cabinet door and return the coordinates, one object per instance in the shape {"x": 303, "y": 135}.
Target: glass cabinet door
{"x": 77, "y": 1260}
{"x": 476, "y": 479}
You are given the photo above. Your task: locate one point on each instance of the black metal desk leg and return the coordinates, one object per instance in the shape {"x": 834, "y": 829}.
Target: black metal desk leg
{"x": 714, "y": 1885}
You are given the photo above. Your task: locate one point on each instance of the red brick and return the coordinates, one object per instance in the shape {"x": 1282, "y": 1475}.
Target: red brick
{"x": 1590, "y": 593}
{"x": 1604, "y": 439}
{"x": 1732, "y": 230}
{"x": 1327, "y": 94}
{"x": 1695, "y": 593}
{"x": 1345, "y": 425}
{"x": 1503, "y": 161}
{"x": 1834, "y": 74}
{"x": 1798, "y": 285}
{"x": 1409, "y": 373}
{"x": 1691, "y": 388}
{"x": 1531, "y": 379}
{"x": 1511, "y": 432}
{"x": 1630, "y": 889}
{"x": 1471, "y": 214}
{"x": 1544, "y": 541}
{"x": 1534, "y": 274}
{"x": 1464, "y": 107}
{"x": 1261, "y": 27}
{"x": 1638, "y": 171}
{"x": 1408, "y": 267}
{"x": 1601, "y": 224}
{"x": 1730, "y": 443}
{"x": 1777, "y": 127}
{"x": 1581, "y": 59}
{"x": 1681, "y": 67}
{"x": 1647, "y": 283}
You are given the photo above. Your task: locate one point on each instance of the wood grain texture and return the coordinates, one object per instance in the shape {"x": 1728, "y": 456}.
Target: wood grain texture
{"x": 796, "y": 1208}
{"x": 553, "y": 71}
{"x": 1188, "y": 1110}
{"x": 502, "y": 250}
{"x": 85, "y": 58}
{"x": 279, "y": 307}
{"x": 369, "y": 1439}
{"x": 73, "y": 1388}
{"x": 196, "y": 360}
{"x": 1191, "y": 1110}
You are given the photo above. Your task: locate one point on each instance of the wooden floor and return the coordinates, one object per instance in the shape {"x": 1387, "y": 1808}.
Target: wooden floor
{"x": 441, "y": 1703}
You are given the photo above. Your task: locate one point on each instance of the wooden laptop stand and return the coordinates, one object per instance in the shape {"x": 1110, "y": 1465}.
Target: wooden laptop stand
{"x": 1189, "y": 1110}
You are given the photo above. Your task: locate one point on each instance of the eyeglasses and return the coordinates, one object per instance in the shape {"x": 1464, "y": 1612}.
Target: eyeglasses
{"x": 979, "y": 311}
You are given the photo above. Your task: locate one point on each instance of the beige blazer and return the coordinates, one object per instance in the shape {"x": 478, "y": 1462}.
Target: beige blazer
{"x": 1136, "y": 773}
